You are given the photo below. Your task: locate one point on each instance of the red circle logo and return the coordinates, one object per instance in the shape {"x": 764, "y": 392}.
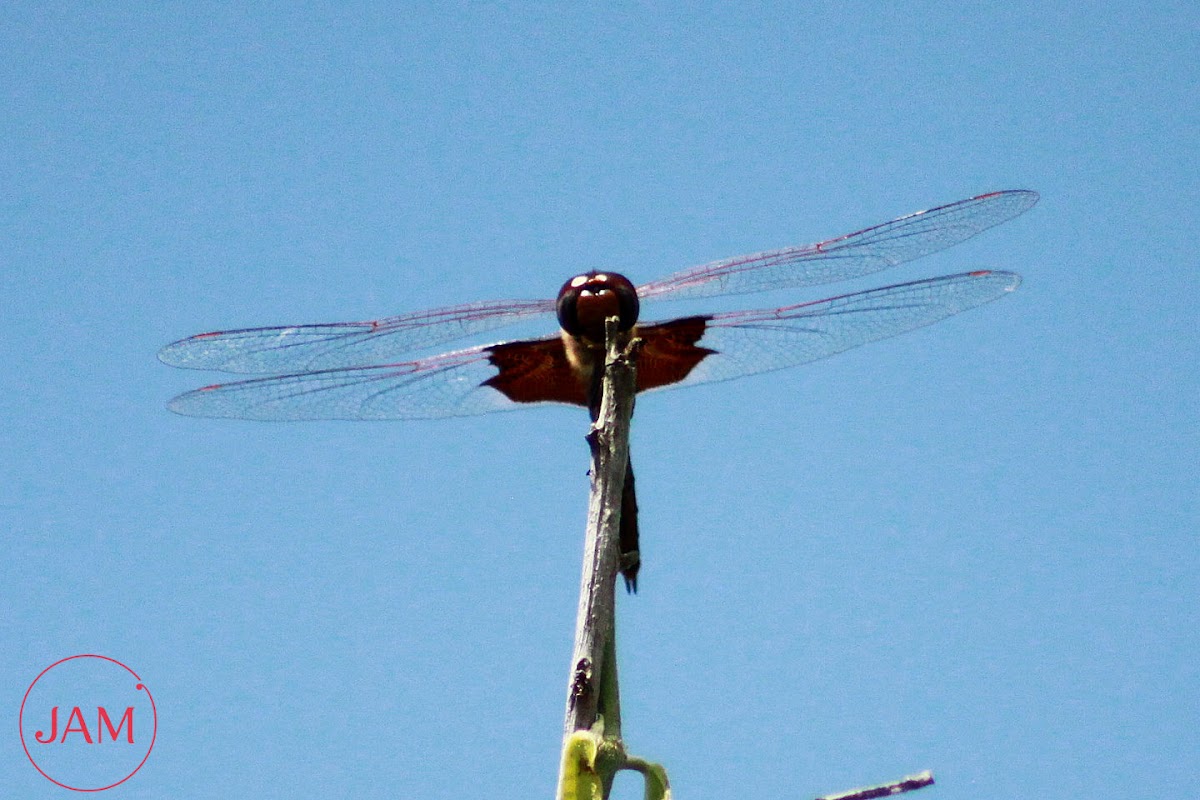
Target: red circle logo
{"x": 88, "y": 723}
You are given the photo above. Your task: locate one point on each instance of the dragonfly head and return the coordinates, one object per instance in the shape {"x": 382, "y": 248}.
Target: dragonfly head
{"x": 585, "y": 301}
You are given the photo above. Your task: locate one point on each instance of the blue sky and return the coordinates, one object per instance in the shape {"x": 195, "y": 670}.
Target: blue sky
{"x": 971, "y": 548}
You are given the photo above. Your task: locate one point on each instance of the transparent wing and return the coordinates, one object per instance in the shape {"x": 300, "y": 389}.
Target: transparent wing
{"x": 749, "y": 342}
{"x": 743, "y": 343}
{"x": 299, "y": 348}
{"x": 848, "y": 256}
{"x": 448, "y": 385}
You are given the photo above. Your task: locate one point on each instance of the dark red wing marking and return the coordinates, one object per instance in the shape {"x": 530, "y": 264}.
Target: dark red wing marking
{"x": 539, "y": 371}
{"x": 535, "y": 372}
{"x": 669, "y": 351}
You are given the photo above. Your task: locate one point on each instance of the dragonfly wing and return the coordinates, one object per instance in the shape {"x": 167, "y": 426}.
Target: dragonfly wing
{"x": 300, "y": 348}
{"x": 461, "y": 383}
{"x": 849, "y": 256}
{"x": 681, "y": 352}
{"x": 747, "y": 342}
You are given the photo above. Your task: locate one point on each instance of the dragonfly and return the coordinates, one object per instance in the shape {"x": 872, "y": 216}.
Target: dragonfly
{"x": 364, "y": 370}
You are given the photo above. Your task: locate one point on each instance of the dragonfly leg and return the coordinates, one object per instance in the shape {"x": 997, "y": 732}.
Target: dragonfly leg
{"x": 630, "y": 558}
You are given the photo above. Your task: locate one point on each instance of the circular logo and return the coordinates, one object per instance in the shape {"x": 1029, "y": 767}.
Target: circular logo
{"x": 88, "y": 723}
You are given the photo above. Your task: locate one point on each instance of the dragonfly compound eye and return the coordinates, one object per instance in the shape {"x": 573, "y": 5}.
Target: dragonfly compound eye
{"x": 585, "y": 301}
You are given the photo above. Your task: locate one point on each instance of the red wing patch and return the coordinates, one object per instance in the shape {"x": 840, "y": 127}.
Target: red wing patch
{"x": 535, "y": 372}
{"x": 539, "y": 371}
{"x": 669, "y": 351}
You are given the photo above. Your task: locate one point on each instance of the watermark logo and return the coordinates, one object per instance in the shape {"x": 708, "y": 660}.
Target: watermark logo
{"x": 88, "y": 723}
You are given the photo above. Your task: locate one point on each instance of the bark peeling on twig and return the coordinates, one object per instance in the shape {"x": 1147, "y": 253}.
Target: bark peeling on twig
{"x": 905, "y": 784}
{"x": 592, "y": 746}
{"x": 592, "y": 694}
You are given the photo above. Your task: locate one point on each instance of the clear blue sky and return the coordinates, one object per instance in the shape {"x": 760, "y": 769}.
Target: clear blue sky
{"x": 972, "y": 548}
